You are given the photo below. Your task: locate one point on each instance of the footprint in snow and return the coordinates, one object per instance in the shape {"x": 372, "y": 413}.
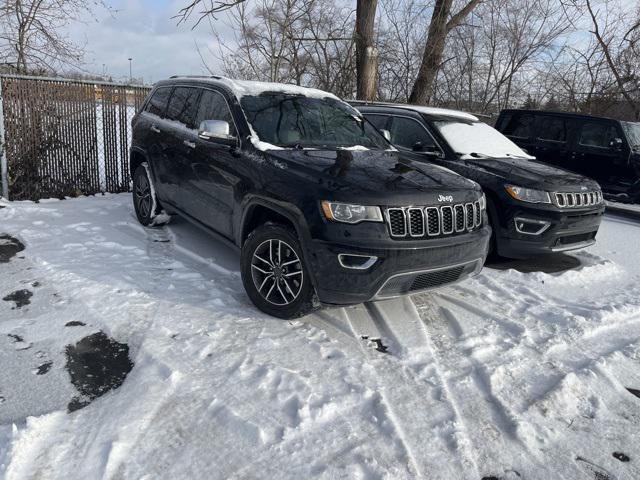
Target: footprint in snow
{"x": 19, "y": 342}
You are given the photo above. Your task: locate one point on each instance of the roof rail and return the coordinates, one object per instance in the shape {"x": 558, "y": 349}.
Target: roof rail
{"x": 217, "y": 77}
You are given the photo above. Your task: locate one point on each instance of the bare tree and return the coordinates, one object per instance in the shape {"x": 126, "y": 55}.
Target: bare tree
{"x": 619, "y": 49}
{"x": 32, "y": 33}
{"x": 442, "y": 22}
{"x": 366, "y": 51}
{"x": 291, "y": 41}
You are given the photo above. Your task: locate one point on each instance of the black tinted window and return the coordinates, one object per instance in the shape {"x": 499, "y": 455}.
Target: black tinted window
{"x": 406, "y": 132}
{"x": 183, "y": 105}
{"x": 158, "y": 103}
{"x": 553, "y": 129}
{"x": 519, "y": 126}
{"x": 378, "y": 121}
{"x": 599, "y": 135}
{"x": 214, "y": 107}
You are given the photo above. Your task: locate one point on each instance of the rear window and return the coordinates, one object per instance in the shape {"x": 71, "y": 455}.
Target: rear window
{"x": 158, "y": 103}
{"x": 519, "y": 126}
{"x": 183, "y": 105}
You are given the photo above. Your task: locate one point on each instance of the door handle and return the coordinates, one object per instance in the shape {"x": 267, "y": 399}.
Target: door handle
{"x": 189, "y": 144}
{"x": 155, "y": 129}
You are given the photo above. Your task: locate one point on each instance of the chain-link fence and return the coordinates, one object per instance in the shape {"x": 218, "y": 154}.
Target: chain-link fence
{"x": 65, "y": 138}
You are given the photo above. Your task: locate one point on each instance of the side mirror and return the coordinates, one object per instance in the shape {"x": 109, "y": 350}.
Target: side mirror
{"x": 386, "y": 134}
{"x": 616, "y": 143}
{"x": 417, "y": 147}
{"x": 216, "y": 130}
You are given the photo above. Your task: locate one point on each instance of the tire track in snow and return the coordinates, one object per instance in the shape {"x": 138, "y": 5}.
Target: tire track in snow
{"x": 490, "y": 428}
{"x": 422, "y": 415}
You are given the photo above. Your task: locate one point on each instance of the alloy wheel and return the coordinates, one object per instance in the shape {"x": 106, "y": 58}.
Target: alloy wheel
{"x": 143, "y": 196}
{"x": 277, "y": 272}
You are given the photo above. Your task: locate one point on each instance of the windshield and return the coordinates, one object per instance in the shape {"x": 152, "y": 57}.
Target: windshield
{"x": 632, "y": 130}
{"x": 296, "y": 121}
{"x": 477, "y": 140}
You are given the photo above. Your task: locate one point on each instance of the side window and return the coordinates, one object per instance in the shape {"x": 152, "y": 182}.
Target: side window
{"x": 183, "y": 104}
{"x": 406, "y": 133}
{"x": 599, "y": 135}
{"x": 158, "y": 103}
{"x": 213, "y": 106}
{"x": 552, "y": 129}
{"x": 519, "y": 126}
{"x": 378, "y": 121}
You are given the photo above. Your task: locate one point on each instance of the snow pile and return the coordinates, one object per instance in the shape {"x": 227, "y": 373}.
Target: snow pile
{"x": 508, "y": 375}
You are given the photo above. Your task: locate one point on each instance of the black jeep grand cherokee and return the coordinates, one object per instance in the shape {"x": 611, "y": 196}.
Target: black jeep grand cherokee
{"x": 533, "y": 208}
{"x": 323, "y": 208}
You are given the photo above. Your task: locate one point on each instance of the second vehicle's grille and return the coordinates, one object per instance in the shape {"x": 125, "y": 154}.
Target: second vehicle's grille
{"x": 418, "y": 222}
{"x": 578, "y": 199}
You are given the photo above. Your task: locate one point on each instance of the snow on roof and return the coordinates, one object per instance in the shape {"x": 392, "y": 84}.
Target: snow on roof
{"x": 243, "y": 88}
{"x": 420, "y": 109}
{"x": 441, "y": 111}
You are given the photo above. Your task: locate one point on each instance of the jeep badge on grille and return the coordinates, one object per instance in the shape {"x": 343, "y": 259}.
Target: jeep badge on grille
{"x": 445, "y": 198}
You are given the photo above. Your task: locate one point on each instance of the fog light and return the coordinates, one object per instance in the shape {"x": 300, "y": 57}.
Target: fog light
{"x": 529, "y": 226}
{"x": 357, "y": 262}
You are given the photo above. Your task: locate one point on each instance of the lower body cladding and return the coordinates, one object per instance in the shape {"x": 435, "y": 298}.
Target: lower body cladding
{"x": 350, "y": 274}
{"x": 528, "y": 232}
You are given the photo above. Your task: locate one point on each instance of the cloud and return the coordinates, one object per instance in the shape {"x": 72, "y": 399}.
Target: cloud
{"x": 144, "y": 31}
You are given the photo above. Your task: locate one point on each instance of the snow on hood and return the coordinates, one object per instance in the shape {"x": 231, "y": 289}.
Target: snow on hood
{"x": 478, "y": 138}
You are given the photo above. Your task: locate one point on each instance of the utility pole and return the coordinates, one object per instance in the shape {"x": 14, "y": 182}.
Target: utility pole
{"x": 130, "y": 71}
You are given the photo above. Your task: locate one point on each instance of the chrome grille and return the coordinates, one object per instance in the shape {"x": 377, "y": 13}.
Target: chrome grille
{"x": 397, "y": 222}
{"x": 418, "y": 222}
{"x": 577, "y": 199}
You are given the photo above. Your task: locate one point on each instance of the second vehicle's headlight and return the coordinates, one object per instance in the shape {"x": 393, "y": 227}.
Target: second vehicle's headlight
{"x": 527, "y": 194}
{"x": 348, "y": 213}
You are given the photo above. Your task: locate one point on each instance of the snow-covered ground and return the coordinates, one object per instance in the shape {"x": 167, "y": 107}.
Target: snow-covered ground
{"x": 510, "y": 375}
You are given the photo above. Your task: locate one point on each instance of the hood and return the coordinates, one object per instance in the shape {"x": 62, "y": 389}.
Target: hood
{"x": 531, "y": 174}
{"x": 372, "y": 175}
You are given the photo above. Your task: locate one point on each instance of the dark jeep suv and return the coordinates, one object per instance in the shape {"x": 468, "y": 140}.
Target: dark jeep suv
{"x": 533, "y": 208}
{"x": 604, "y": 149}
{"x": 323, "y": 208}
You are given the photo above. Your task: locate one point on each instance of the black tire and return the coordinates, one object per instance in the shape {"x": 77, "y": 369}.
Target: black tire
{"x": 144, "y": 202}
{"x": 282, "y": 294}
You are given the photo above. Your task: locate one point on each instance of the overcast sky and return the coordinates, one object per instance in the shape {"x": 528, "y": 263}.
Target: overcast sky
{"x": 144, "y": 31}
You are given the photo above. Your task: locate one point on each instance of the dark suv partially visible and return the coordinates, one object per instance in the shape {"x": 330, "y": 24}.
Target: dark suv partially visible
{"x": 604, "y": 149}
{"x": 323, "y": 208}
{"x": 533, "y": 208}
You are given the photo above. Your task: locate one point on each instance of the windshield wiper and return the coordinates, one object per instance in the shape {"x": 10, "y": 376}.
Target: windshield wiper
{"x": 475, "y": 155}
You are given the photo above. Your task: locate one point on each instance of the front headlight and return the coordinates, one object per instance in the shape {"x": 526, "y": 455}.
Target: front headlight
{"x": 347, "y": 213}
{"x": 527, "y": 194}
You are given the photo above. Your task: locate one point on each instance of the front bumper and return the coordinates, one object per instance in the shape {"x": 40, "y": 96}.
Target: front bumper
{"x": 401, "y": 267}
{"x": 565, "y": 230}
